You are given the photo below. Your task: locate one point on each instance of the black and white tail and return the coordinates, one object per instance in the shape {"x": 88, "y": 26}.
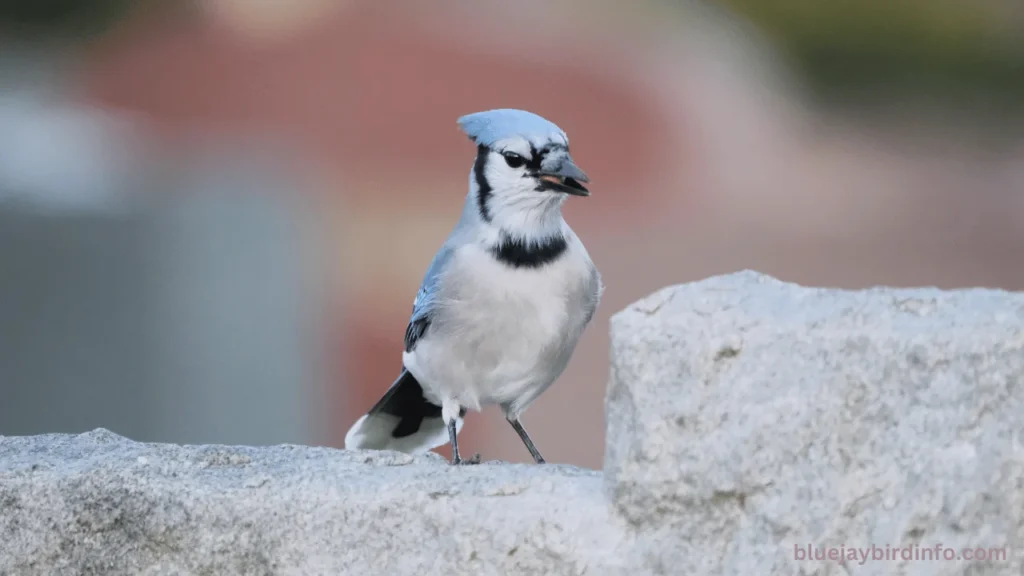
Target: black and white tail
{"x": 403, "y": 420}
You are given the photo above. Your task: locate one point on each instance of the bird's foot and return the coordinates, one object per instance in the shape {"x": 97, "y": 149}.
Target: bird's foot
{"x": 466, "y": 461}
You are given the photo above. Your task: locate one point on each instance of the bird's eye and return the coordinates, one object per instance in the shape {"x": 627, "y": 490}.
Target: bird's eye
{"x": 514, "y": 160}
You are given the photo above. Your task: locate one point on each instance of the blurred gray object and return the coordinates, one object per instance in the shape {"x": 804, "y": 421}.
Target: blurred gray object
{"x": 167, "y": 298}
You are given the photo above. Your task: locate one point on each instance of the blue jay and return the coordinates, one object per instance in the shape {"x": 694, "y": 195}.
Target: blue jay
{"x": 504, "y": 301}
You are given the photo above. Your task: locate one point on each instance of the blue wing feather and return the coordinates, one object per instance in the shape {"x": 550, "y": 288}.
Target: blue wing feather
{"x": 423, "y": 306}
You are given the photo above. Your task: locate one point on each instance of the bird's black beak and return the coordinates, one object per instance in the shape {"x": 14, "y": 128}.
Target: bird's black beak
{"x": 566, "y": 178}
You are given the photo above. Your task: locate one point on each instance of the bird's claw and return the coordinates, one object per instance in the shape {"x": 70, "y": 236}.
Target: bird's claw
{"x": 466, "y": 461}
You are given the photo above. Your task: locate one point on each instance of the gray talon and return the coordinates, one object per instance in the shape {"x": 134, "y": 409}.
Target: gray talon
{"x": 467, "y": 461}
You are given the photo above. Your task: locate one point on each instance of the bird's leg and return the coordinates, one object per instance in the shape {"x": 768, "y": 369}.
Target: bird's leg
{"x": 526, "y": 439}
{"x": 456, "y": 460}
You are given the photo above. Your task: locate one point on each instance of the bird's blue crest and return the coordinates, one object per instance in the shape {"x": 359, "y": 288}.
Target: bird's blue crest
{"x": 486, "y": 128}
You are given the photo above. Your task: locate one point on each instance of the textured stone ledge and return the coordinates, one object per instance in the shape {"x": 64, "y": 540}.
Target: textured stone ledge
{"x": 98, "y": 503}
{"x": 745, "y": 416}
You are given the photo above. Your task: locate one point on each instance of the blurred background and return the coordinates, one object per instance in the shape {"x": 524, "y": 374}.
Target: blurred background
{"x": 214, "y": 215}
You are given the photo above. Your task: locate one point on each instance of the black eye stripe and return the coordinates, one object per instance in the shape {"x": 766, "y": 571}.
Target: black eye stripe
{"x": 515, "y": 160}
{"x": 536, "y": 157}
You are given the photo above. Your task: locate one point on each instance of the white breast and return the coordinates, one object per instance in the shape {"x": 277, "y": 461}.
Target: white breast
{"x": 501, "y": 335}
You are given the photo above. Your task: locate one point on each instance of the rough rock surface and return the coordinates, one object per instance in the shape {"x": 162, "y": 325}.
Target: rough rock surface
{"x": 98, "y": 503}
{"x": 747, "y": 418}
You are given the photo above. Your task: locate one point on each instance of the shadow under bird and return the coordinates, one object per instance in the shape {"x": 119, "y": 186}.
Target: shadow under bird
{"x": 504, "y": 301}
